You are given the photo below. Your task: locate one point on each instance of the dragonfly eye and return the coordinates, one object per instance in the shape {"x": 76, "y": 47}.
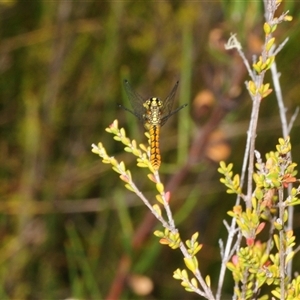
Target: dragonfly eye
{"x": 147, "y": 104}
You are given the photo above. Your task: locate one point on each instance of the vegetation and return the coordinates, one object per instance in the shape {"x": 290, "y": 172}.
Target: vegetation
{"x": 69, "y": 229}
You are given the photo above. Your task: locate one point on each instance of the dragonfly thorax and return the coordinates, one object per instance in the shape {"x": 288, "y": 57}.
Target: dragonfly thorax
{"x": 152, "y": 116}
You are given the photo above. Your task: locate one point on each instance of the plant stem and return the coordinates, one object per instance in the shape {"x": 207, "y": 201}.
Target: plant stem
{"x": 282, "y": 247}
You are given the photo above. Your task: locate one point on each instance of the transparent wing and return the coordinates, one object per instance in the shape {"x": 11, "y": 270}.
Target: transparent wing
{"x": 168, "y": 103}
{"x": 135, "y": 100}
{"x": 165, "y": 118}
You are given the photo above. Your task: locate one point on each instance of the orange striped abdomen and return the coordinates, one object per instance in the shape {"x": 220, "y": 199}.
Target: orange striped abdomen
{"x": 155, "y": 157}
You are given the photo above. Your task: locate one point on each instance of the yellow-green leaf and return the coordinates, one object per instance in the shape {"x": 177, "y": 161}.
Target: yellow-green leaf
{"x": 194, "y": 282}
{"x": 207, "y": 280}
{"x": 159, "y": 199}
{"x": 157, "y": 209}
{"x": 160, "y": 187}
{"x": 270, "y": 43}
{"x": 189, "y": 262}
{"x": 267, "y": 28}
{"x": 129, "y": 187}
{"x": 289, "y": 257}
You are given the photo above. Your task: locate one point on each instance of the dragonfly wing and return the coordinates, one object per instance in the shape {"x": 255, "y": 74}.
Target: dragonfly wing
{"x": 168, "y": 103}
{"x": 164, "y": 119}
{"x": 135, "y": 100}
{"x": 129, "y": 110}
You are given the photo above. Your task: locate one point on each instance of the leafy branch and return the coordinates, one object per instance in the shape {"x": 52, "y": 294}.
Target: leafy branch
{"x": 170, "y": 236}
{"x": 258, "y": 90}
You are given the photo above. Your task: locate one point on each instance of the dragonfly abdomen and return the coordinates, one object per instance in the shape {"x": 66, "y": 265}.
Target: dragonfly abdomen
{"x": 155, "y": 157}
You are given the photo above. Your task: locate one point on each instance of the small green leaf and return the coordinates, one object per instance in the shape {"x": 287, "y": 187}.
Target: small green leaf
{"x": 158, "y": 233}
{"x": 288, "y": 18}
{"x": 289, "y": 257}
{"x": 116, "y": 169}
{"x": 267, "y": 28}
{"x": 122, "y": 166}
{"x": 197, "y": 249}
{"x": 152, "y": 177}
{"x": 276, "y": 240}
{"x": 184, "y": 274}
{"x": 143, "y": 147}
{"x": 124, "y": 178}
{"x": 274, "y": 27}
{"x": 207, "y": 280}
{"x": 117, "y": 138}
{"x": 195, "y": 236}
{"x": 160, "y": 187}
{"x": 194, "y": 282}
{"x": 136, "y": 152}
{"x": 159, "y": 199}
{"x": 285, "y": 216}
{"x": 189, "y": 262}
{"x": 129, "y": 187}
{"x": 276, "y": 294}
{"x": 270, "y": 43}
{"x": 177, "y": 274}
{"x": 157, "y": 209}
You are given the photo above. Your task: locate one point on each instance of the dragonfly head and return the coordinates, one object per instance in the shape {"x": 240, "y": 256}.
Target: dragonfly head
{"x": 153, "y": 103}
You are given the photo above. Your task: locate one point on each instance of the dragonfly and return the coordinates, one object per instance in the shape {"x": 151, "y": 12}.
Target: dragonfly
{"x": 153, "y": 113}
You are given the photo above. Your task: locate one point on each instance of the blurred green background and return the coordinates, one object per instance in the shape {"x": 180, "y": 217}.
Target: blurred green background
{"x": 65, "y": 218}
